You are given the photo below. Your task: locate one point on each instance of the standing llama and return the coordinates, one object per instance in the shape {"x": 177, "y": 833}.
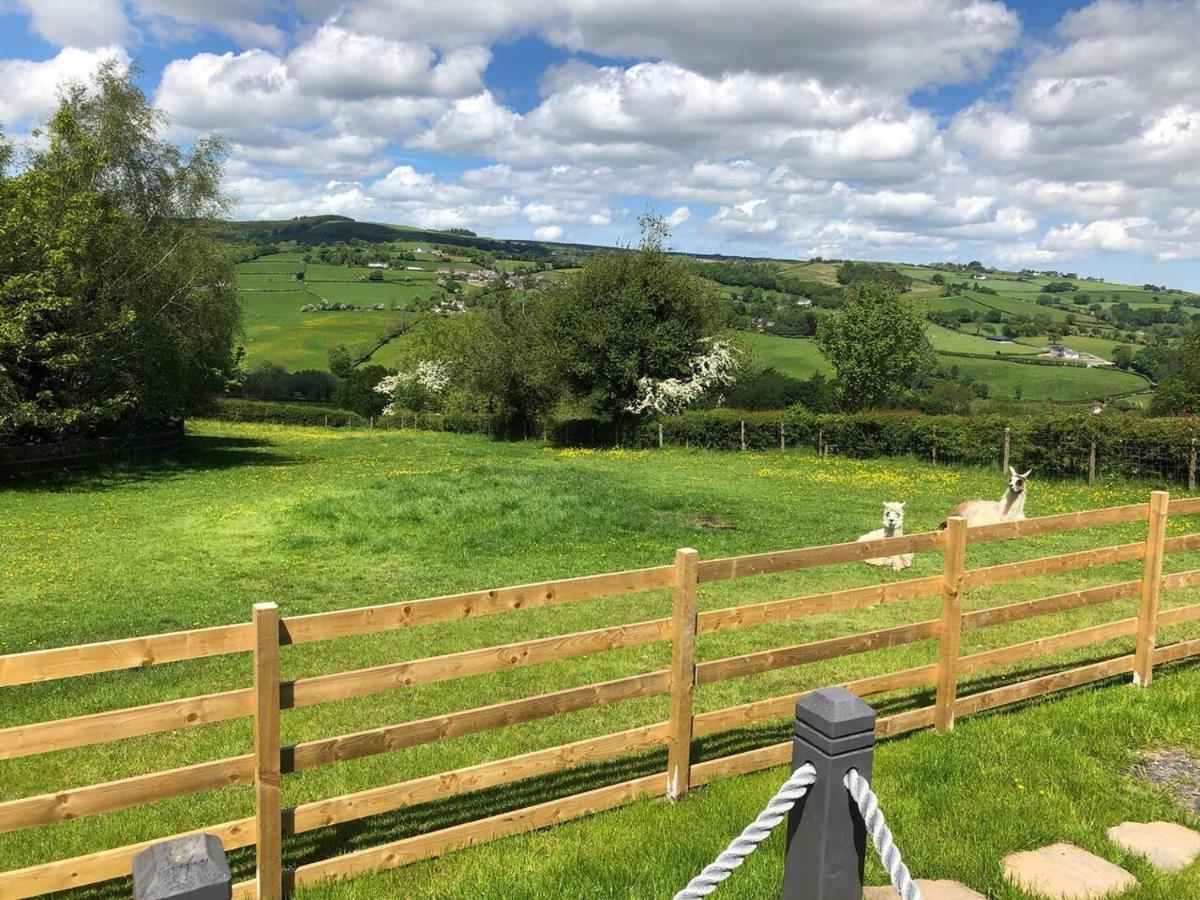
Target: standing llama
{"x": 893, "y": 526}
{"x": 1009, "y": 508}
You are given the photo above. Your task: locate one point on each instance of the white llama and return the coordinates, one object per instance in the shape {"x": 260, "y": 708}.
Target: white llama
{"x": 1009, "y": 508}
{"x": 893, "y": 526}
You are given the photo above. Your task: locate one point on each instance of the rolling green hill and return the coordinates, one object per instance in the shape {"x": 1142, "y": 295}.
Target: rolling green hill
{"x": 280, "y": 293}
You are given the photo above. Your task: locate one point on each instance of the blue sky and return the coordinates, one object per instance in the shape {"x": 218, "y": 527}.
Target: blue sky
{"x": 1045, "y": 135}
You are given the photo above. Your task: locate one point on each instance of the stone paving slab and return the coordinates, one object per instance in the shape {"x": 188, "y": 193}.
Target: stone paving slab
{"x": 930, "y": 890}
{"x": 1166, "y": 845}
{"x": 1066, "y": 872}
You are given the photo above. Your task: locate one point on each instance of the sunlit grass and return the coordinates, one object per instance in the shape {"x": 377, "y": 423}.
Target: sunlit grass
{"x": 316, "y": 519}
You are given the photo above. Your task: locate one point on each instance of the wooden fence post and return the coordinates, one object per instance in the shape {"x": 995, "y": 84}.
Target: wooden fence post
{"x": 683, "y": 674}
{"x": 660, "y": 436}
{"x": 820, "y": 442}
{"x": 1007, "y": 448}
{"x": 743, "y": 435}
{"x": 1156, "y": 535}
{"x": 268, "y": 782}
{"x": 1092, "y": 463}
{"x": 1192, "y": 467}
{"x": 951, "y": 625}
{"x": 781, "y": 442}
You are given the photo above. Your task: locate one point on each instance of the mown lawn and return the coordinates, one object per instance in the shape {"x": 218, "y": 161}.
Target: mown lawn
{"x": 317, "y": 520}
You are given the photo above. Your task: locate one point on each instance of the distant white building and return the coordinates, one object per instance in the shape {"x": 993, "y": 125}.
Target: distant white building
{"x": 377, "y": 265}
{"x": 1062, "y": 351}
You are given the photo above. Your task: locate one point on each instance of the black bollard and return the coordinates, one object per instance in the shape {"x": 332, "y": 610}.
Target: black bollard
{"x": 826, "y": 838}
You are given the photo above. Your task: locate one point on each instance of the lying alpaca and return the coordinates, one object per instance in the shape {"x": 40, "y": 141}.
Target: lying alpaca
{"x": 1009, "y": 508}
{"x": 893, "y": 526}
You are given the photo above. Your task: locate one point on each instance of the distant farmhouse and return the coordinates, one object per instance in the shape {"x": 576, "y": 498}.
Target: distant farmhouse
{"x": 377, "y": 265}
{"x": 1062, "y": 351}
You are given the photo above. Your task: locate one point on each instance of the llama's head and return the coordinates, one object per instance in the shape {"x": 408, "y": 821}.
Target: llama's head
{"x": 1016, "y": 484}
{"x": 893, "y": 515}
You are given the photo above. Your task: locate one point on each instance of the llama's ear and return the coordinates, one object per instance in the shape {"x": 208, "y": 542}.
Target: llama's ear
{"x": 1027, "y": 474}
{"x": 1014, "y": 472}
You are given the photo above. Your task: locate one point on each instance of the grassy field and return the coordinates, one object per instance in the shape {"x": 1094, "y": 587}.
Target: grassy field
{"x": 370, "y": 293}
{"x": 276, "y": 331}
{"x": 963, "y": 342}
{"x": 318, "y": 519}
{"x": 799, "y": 357}
{"x": 1034, "y": 382}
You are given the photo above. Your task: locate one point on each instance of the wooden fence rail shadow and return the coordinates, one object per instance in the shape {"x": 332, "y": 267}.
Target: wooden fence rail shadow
{"x": 267, "y": 762}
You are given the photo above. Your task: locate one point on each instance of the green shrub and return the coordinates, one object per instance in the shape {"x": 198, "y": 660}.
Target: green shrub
{"x": 1128, "y": 445}
{"x": 284, "y": 413}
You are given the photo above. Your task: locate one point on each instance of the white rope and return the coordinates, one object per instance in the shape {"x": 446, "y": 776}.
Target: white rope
{"x": 753, "y": 835}
{"x": 881, "y": 836}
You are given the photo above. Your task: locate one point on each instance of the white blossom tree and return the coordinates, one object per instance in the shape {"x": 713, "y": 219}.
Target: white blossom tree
{"x": 418, "y": 388}
{"x": 714, "y": 367}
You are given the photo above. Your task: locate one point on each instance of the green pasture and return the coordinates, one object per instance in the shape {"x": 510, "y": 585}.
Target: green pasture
{"x": 1065, "y": 383}
{"x": 276, "y": 263}
{"x": 274, "y": 281}
{"x": 368, "y": 293}
{"x": 317, "y": 519}
{"x": 798, "y": 357}
{"x": 276, "y": 331}
{"x": 966, "y": 342}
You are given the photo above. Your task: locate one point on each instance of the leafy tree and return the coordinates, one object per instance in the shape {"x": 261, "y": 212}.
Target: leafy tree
{"x": 769, "y": 389}
{"x": 627, "y": 316}
{"x": 341, "y": 362}
{"x": 854, "y": 272}
{"x": 117, "y": 304}
{"x": 356, "y": 391}
{"x": 1122, "y": 356}
{"x": 505, "y": 367}
{"x": 877, "y": 346}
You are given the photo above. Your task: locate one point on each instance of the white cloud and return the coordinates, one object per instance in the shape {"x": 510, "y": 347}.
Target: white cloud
{"x": 548, "y": 233}
{"x": 776, "y": 126}
{"x": 1115, "y": 235}
{"x": 339, "y": 64}
{"x": 31, "y": 88}
{"x": 679, "y": 216}
{"x": 900, "y": 45}
{"x": 184, "y": 19}
{"x": 85, "y": 24}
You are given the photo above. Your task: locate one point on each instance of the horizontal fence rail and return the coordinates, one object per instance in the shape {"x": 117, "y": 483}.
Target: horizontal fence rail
{"x": 270, "y": 760}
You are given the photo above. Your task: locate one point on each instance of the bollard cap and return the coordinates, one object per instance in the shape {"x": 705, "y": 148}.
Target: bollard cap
{"x": 834, "y": 712}
{"x": 186, "y": 868}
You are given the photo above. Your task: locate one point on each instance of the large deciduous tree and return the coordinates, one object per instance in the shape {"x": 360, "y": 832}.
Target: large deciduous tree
{"x": 877, "y": 345}
{"x": 117, "y": 304}
{"x": 625, "y": 318}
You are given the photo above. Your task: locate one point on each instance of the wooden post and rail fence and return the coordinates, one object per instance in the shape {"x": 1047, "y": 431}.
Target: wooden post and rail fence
{"x": 268, "y": 762}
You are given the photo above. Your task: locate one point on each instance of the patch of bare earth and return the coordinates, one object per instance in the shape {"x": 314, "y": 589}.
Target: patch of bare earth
{"x": 1177, "y": 771}
{"x": 716, "y": 523}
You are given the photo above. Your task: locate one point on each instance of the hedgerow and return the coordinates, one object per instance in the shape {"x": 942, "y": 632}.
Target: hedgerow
{"x": 1051, "y": 443}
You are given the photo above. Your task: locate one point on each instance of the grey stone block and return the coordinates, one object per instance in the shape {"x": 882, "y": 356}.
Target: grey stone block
{"x": 187, "y": 868}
